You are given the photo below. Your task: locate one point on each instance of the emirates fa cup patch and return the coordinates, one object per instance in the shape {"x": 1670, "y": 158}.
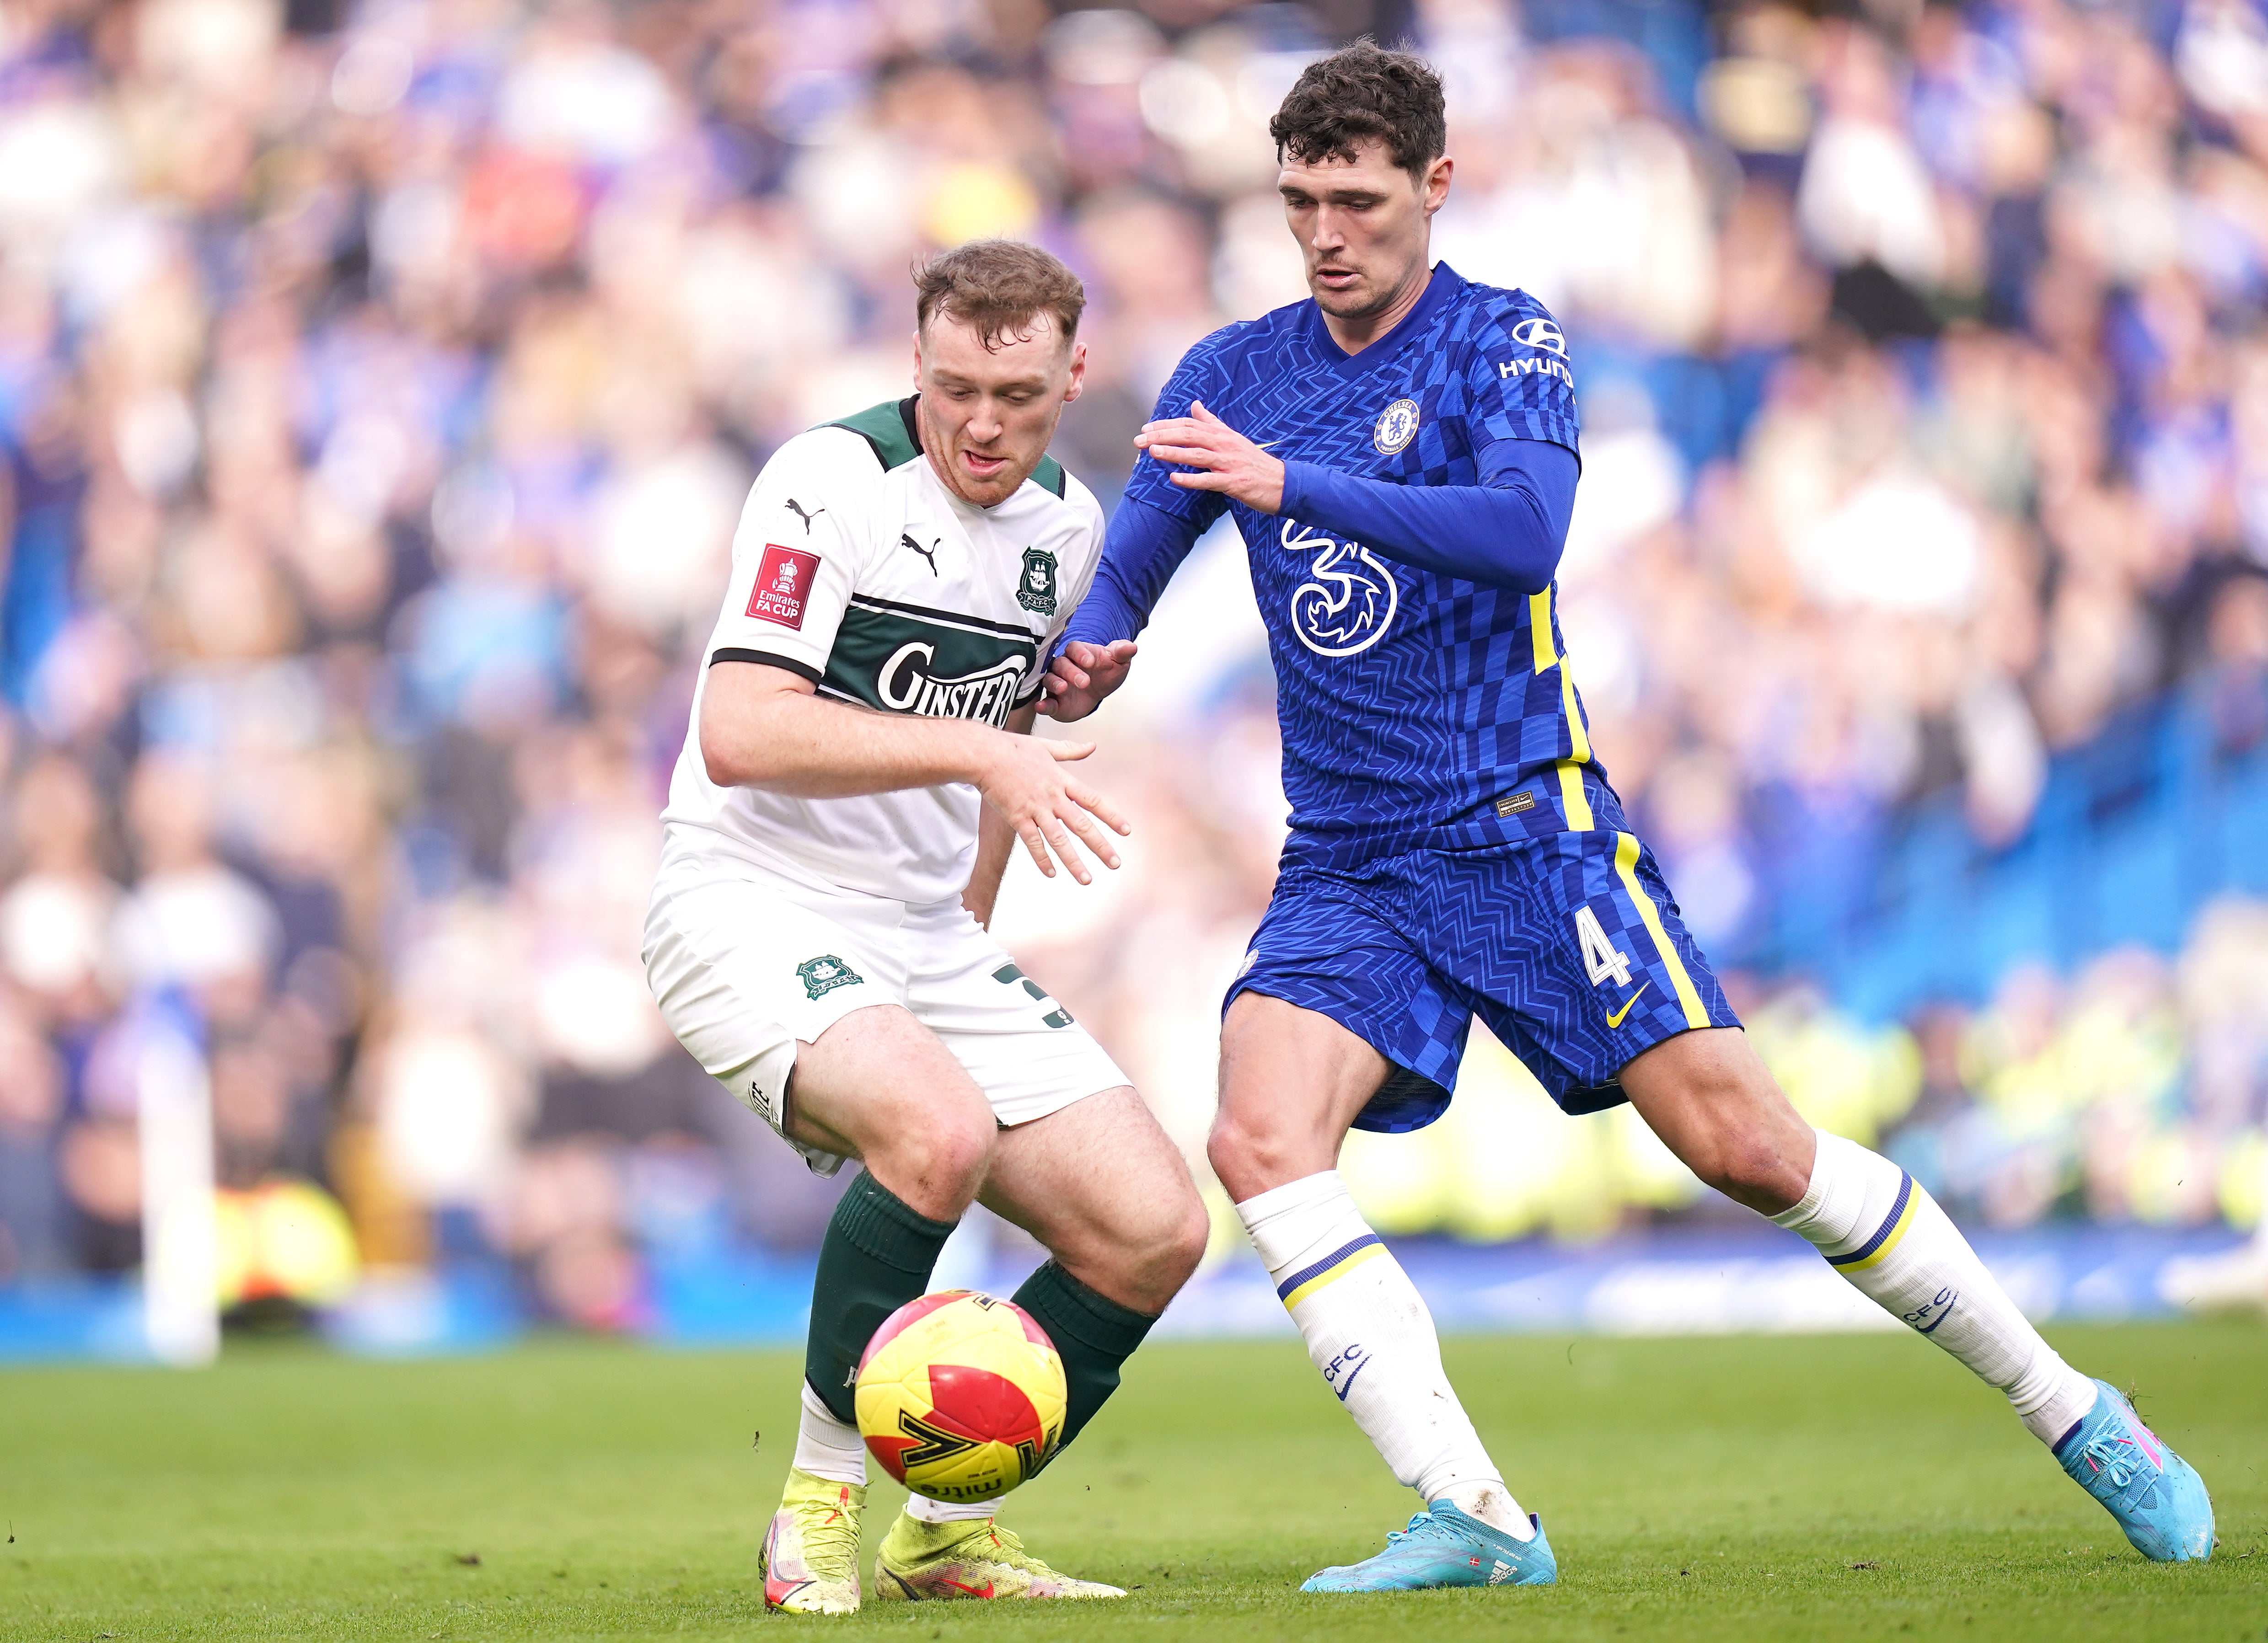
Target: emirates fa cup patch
{"x": 1035, "y": 589}
{"x": 1398, "y": 426}
{"x": 824, "y": 974}
{"x": 783, "y": 579}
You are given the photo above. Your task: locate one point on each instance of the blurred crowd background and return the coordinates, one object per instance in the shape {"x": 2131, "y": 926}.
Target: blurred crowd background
{"x": 380, "y": 383}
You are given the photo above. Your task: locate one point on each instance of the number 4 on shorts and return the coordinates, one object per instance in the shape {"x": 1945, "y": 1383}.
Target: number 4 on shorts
{"x": 1600, "y": 958}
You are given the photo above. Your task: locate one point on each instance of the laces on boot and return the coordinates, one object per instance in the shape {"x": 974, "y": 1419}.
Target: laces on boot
{"x": 830, "y": 1539}
{"x": 2119, "y": 1477}
{"x": 1010, "y": 1551}
{"x": 2112, "y": 1457}
{"x": 1424, "y": 1526}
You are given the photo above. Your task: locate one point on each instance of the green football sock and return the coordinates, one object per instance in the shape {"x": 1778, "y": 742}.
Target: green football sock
{"x": 1092, "y": 1334}
{"x": 878, "y": 1255}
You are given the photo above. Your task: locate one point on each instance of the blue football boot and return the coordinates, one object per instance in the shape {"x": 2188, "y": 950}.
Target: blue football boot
{"x": 2157, "y": 1496}
{"x": 1444, "y": 1547}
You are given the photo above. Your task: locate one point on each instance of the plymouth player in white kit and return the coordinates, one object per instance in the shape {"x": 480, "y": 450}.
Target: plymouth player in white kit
{"x": 858, "y": 771}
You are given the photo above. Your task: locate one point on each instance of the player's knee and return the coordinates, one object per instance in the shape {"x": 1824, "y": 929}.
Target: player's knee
{"x": 1750, "y": 1167}
{"x": 1243, "y": 1154}
{"x": 1728, "y": 1163}
{"x": 937, "y": 1168}
{"x": 1252, "y": 1152}
{"x": 1712, "y": 1099}
{"x": 1159, "y": 1260}
{"x": 964, "y": 1152}
{"x": 1183, "y": 1244}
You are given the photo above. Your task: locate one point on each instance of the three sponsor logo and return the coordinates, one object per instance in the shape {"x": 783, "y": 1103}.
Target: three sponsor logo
{"x": 1349, "y": 602}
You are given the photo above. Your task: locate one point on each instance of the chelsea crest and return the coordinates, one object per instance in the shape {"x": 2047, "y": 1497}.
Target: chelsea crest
{"x": 1398, "y": 426}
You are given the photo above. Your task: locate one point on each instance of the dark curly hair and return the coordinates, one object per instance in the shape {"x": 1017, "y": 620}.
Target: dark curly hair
{"x": 1363, "y": 90}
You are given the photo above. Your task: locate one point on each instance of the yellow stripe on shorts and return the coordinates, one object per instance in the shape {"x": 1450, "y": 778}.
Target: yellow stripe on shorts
{"x": 1626, "y": 864}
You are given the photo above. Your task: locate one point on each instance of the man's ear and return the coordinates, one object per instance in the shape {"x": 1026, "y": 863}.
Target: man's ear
{"x": 1437, "y": 183}
{"x": 1077, "y": 372}
{"x": 917, "y": 359}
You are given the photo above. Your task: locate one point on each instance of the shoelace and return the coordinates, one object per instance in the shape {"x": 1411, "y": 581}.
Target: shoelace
{"x": 1424, "y": 1526}
{"x": 831, "y": 1542}
{"x": 1013, "y": 1553}
{"x": 2116, "y": 1456}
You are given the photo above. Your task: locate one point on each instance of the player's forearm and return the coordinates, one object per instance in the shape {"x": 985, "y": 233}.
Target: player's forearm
{"x": 1141, "y": 550}
{"x": 1507, "y": 532}
{"x": 797, "y": 744}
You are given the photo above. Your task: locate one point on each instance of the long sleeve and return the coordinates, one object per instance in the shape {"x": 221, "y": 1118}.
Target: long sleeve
{"x": 1142, "y": 549}
{"x": 1507, "y": 531}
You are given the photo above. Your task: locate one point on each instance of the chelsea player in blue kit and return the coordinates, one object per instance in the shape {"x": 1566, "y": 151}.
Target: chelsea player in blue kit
{"x": 1400, "y": 454}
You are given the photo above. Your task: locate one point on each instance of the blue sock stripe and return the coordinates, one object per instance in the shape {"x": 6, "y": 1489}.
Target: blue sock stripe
{"x": 1284, "y": 1289}
{"x": 1905, "y": 1191}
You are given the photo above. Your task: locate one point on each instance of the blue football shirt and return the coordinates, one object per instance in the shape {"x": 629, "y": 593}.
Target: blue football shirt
{"x": 1416, "y": 708}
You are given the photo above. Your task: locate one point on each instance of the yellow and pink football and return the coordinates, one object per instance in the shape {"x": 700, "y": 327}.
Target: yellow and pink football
{"x": 960, "y": 1396}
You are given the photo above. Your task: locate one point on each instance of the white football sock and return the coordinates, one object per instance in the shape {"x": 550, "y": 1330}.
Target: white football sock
{"x": 1369, "y": 1334}
{"x": 828, "y": 1447}
{"x": 922, "y": 1509}
{"x": 1877, "y": 1227}
{"x": 831, "y": 1448}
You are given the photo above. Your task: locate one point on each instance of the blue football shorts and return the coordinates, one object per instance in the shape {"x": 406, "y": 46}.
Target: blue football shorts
{"x": 1566, "y": 944}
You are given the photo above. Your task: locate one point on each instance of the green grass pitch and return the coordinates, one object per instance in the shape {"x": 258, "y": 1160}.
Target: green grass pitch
{"x": 1837, "y": 1487}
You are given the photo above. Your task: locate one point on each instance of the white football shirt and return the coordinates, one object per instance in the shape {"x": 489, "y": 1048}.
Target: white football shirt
{"x": 854, "y": 566}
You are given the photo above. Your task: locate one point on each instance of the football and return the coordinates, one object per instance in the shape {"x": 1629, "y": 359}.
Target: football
{"x": 960, "y": 1396}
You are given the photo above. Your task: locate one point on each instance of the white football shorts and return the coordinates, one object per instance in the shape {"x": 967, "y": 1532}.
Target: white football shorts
{"x": 744, "y": 967}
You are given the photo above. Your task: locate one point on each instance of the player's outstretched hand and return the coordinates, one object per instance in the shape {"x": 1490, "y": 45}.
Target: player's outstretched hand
{"x": 1082, "y": 675}
{"x": 1046, "y": 804}
{"x": 1217, "y": 458}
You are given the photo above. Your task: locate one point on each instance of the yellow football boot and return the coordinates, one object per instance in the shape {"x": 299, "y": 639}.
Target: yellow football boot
{"x": 973, "y": 1559}
{"x": 810, "y": 1560}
